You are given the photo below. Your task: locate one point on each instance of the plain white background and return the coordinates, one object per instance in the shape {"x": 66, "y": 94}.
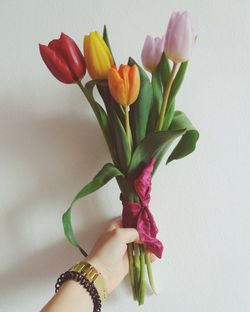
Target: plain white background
{"x": 50, "y": 146}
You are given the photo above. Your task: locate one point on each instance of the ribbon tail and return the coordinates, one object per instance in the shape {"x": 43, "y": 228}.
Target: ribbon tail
{"x": 148, "y": 230}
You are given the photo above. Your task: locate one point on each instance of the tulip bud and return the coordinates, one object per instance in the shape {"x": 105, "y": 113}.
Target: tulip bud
{"x": 124, "y": 84}
{"x": 98, "y": 57}
{"x": 152, "y": 52}
{"x": 180, "y": 37}
{"x": 64, "y": 59}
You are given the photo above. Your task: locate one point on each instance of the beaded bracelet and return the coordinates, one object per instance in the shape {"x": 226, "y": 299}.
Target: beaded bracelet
{"x": 82, "y": 280}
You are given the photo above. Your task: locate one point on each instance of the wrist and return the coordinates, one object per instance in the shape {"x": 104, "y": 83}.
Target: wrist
{"x": 89, "y": 270}
{"x": 98, "y": 266}
{"x": 96, "y": 263}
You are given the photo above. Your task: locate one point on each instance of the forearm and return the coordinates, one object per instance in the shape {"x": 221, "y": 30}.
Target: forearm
{"x": 70, "y": 297}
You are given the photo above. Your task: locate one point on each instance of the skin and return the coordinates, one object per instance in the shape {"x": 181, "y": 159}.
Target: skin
{"x": 109, "y": 257}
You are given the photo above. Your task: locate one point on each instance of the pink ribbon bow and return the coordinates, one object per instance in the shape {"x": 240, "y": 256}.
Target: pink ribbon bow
{"x": 138, "y": 215}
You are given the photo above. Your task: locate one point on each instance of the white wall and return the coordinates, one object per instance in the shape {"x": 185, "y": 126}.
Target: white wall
{"x": 50, "y": 146}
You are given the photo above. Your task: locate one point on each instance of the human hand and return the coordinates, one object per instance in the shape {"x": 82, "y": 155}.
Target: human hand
{"x": 109, "y": 255}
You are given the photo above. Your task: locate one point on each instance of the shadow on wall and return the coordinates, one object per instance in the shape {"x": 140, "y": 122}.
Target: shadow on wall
{"x": 45, "y": 265}
{"x": 45, "y": 161}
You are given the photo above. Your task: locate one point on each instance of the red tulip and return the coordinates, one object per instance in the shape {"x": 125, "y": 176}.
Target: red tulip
{"x": 64, "y": 59}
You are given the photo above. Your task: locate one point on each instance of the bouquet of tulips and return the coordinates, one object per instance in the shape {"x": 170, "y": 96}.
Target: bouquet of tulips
{"x": 138, "y": 121}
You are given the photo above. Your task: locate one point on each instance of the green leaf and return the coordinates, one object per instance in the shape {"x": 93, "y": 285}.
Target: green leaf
{"x": 174, "y": 90}
{"x": 164, "y": 69}
{"x": 159, "y": 80}
{"x": 169, "y": 115}
{"x": 106, "y": 39}
{"x": 187, "y": 143}
{"x": 102, "y": 86}
{"x": 122, "y": 144}
{"x": 120, "y": 139}
{"x": 100, "y": 113}
{"x": 178, "y": 80}
{"x": 152, "y": 146}
{"x": 157, "y": 101}
{"x": 108, "y": 172}
{"x": 140, "y": 110}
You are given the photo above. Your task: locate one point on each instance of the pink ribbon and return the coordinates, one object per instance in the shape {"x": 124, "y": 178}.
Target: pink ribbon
{"x": 138, "y": 215}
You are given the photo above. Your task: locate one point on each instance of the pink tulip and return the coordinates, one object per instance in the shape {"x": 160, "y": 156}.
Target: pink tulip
{"x": 180, "y": 37}
{"x": 152, "y": 52}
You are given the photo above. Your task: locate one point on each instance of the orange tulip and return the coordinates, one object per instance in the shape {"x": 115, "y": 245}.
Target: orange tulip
{"x": 124, "y": 84}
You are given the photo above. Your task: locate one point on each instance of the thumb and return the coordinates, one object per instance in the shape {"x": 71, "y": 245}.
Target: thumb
{"x": 129, "y": 235}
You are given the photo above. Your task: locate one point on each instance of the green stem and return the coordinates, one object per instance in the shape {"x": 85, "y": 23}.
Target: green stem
{"x": 133, "y": 265}
{"x": 131, "y": 269}
{"x": 142, "y": 276}
{"x": 149, "y": 270}
{"x": 137, "y": 268}
{"x": 127, "y": 126}
{"x": 165, "y": 98}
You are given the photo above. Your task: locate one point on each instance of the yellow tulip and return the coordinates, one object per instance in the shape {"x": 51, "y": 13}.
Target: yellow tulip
{"x": 124, "y": 84}
{"x": 98, "y": 57}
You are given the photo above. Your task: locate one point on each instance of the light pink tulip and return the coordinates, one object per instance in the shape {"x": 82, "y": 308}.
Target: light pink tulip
{"x": 152, "y": 52}
{"x": 180, "y": 37}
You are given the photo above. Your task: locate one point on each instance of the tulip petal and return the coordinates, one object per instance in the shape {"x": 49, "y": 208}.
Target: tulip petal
{"x": 152, "y": 52}
{"x": 100, "y": 57}
{"x": 87, "y": 53}
{"x": 124, "y": 84}
{"x": 97, "y": 55}
{"x": 179, "y": 37}
{"x": 146, "y": 54}
{"x": 116, "y": 86}
{"x": 124, "y": 73}
{"x": 134, "y": 83}
{"x": 93, "y": 60}
{"x": 56, "y": 64}
{"x": 69, "y": 51}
